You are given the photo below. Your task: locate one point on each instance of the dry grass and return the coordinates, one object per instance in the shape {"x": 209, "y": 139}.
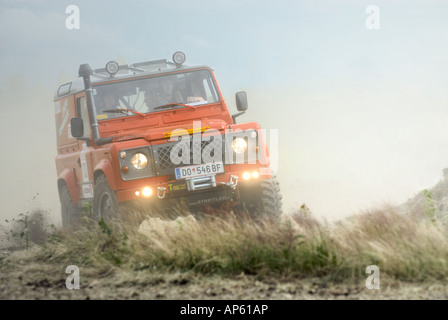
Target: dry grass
{"x": 403, "y": 247}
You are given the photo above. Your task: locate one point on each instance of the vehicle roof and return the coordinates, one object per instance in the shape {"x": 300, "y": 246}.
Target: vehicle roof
{"x": 125, "y": 72}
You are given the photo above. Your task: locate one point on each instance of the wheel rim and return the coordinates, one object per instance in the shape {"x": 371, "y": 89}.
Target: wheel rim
{"x": 106, "y": 205}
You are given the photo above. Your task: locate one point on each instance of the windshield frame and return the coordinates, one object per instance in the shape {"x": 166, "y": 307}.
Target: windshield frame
{"x": 210, "y": 87}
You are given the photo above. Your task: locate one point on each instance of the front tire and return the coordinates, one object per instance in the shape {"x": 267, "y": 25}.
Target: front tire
{"x": 69, "y": 210}
{"x": 262, "y": 199}
{"x": 105, "y": 200}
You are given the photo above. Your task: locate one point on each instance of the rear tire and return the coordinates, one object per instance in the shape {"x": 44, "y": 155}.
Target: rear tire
{"x": 105, "y": 200}
{"x": 69, "y": 210}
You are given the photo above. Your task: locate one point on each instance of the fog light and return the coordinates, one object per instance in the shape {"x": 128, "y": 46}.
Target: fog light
{"x": 112, "y": 67}
{"x": 147, "y": 191}
{"x": 137, "y": 193}
{"x": 246, "y": 175}
{"x": 255, "y": 174}
{"x": 179, "y": 58}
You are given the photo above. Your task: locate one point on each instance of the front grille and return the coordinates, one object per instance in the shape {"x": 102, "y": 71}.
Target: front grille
{"x": 162, "y": 154}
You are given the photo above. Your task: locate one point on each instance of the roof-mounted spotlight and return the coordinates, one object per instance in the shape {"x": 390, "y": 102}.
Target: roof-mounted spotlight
{"x": 112, "y": 68}
{"x": 179, "y": 58}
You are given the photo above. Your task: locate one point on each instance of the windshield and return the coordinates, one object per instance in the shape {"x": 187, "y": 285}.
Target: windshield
{"x": 154, "y": 94}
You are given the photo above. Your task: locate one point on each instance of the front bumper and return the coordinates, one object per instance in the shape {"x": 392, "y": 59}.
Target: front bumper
{"x": 197, "y": 191}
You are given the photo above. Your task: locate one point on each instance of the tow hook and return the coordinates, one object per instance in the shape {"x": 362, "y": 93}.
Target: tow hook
{"x": 161, "y": 192}
{"x": 232, "y": 183}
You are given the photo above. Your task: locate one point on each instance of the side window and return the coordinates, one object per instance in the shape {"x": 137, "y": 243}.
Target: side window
{"x": 81, "y": 111}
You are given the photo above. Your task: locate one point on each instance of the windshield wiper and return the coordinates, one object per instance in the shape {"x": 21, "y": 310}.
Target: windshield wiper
{"x": 169, "y": 105}
{"x": 121, "y": 110}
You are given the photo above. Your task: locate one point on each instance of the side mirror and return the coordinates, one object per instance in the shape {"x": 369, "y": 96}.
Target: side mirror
{"x": 77, "y": 127}
{"x": 241, "y": 101}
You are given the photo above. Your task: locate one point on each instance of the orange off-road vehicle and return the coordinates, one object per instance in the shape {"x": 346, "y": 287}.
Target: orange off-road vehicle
{"x": 157, "y": 133}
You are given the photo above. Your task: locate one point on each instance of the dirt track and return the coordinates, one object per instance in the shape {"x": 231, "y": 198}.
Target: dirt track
{"x": 20, "y": 279}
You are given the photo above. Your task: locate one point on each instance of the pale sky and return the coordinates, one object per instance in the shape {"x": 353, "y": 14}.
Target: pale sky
{"x": 361, "y": 114}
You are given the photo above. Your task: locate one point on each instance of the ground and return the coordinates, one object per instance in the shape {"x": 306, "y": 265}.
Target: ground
{"x": 22, "y": 279}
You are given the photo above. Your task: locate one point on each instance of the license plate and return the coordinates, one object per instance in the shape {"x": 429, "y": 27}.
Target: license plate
{"x": 199, "y": 170}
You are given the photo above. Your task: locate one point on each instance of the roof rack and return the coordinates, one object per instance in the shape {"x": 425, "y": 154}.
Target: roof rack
{"x": 123, "y": 71}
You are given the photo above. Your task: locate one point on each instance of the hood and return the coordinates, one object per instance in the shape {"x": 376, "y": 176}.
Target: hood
{"x": 151, "y": 134}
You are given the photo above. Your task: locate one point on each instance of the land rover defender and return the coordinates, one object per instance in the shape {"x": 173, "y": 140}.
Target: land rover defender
{"x": 157, "y": 133}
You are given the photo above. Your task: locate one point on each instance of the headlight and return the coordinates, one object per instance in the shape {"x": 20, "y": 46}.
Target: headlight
{"x": 239, "y": 145}
{"x": 139, "y": 161}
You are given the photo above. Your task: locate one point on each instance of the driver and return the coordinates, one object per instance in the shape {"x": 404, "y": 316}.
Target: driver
{"x": 106, "y": 100}
{"x": 167, "y": 94}
{"x": 110, "y": 101}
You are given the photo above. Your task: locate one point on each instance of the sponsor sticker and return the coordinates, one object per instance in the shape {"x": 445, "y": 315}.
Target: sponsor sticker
{"x": 173, "y": 187}
{"x": 87, "y": 190}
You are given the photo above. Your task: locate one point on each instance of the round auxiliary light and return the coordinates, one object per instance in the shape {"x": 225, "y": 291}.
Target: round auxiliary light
{"x": 246, "y": 175}
{"x": 112, "y": 67}
{"x": 179, "y": 57}
{"x": 147, "y": 191}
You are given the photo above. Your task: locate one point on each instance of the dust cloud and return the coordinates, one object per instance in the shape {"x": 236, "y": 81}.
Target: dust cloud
{"x": 361, "y": 115}
{"x": 346, "y": 150}
{"x": 27, "y": 166}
